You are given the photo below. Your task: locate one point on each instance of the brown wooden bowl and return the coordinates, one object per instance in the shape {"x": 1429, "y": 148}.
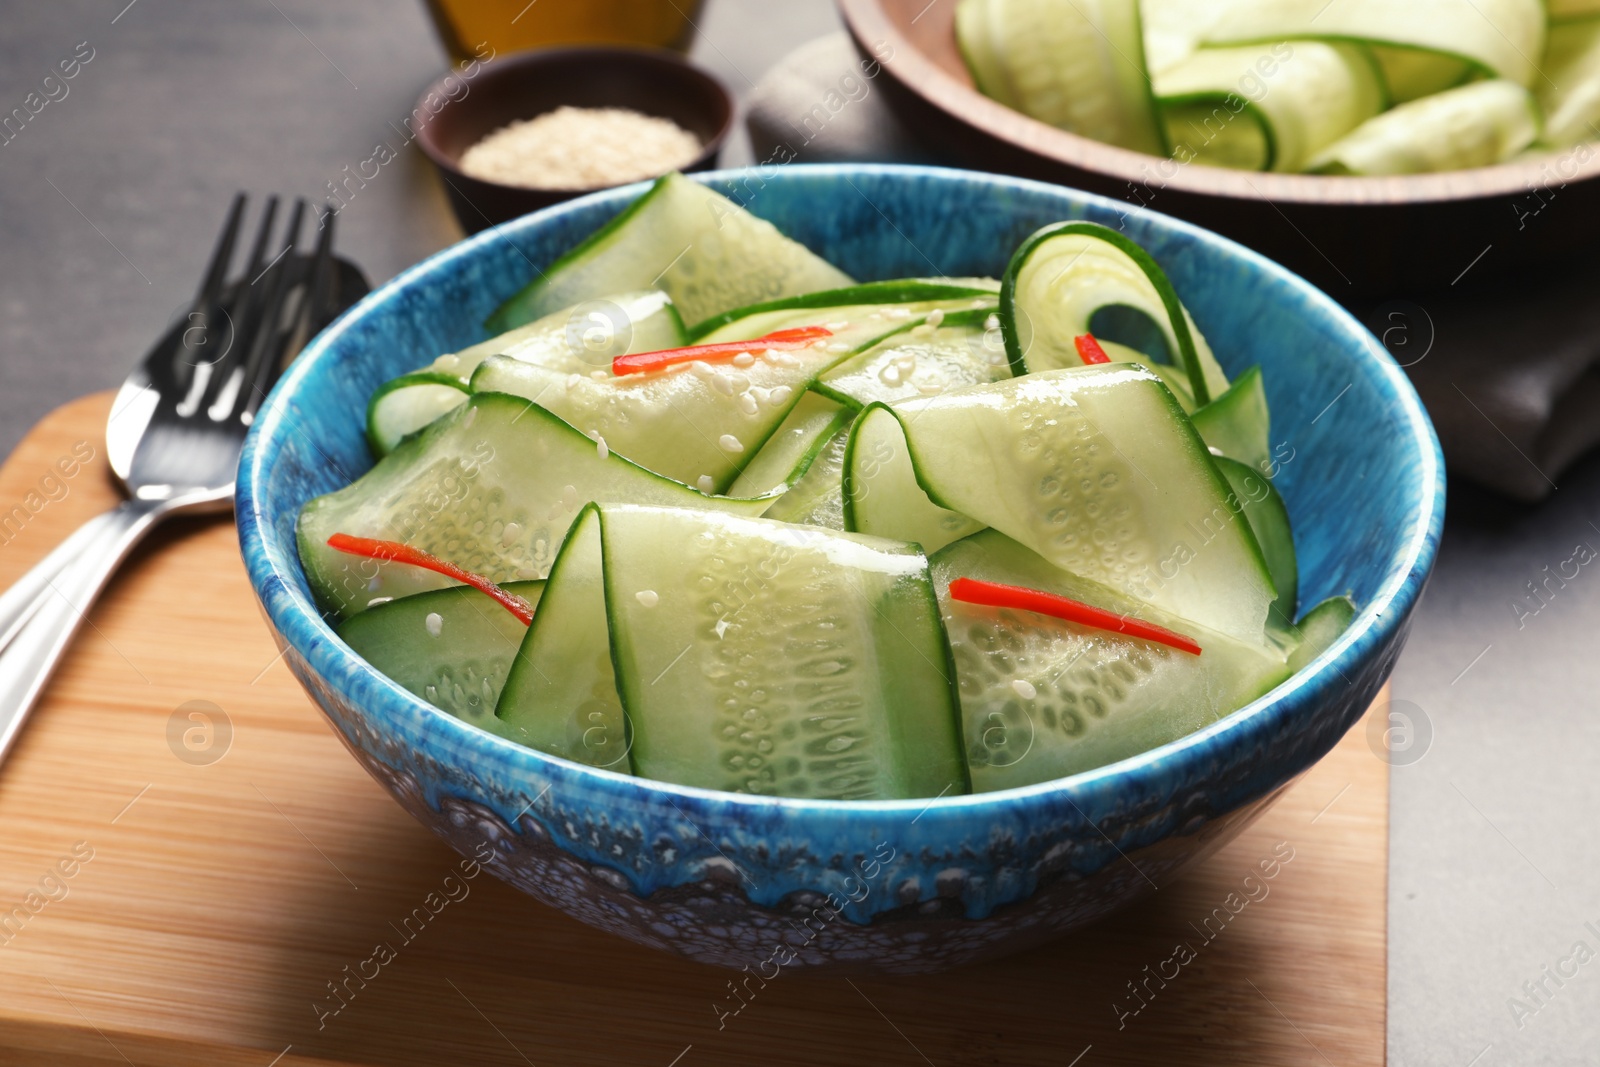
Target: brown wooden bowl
{"x": 526, "y": 84}
{"x": 1354, "y": 237}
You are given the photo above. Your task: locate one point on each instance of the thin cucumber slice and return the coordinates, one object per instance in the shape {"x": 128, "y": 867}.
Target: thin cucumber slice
{"x": 1173, "y": 30}
{"x": 1411, "y": 73}
{"x": 758, "y": 657}
{"x": 1237, "y": 423}
{"x": 1320, "y": 628}
{"x": 708, "y": 253}
{"x": 1042, "y": 698}
{"x": 793, "y": 446}
{"x": 853, "y": 327}
{"x": 817, "y": 499}
{"x": 561, "y": 696}
{"x": 405, "y": 405}
{"x": 978, "y": 52}
{"x": 1269, "y": 521}
{"x": 1473, "y": 126}
{"x": 1204, "y": 129}
{"x": 934, "y": 292}
{"x": 1561, "y": 10}
{"x": 882, "y": 492}
{"x": 578, "y": 340}
{"x": 1095, "y": 468}
{"x": 492, "y": 487}
{"x": 451, "y": 647}
{"x": 582, "y": 338}
{"x": 1503, "y": 38}
{"x": 1075, "y": 64}
{"x": 926, "y": 359}
{"x": 1301, "y": 97}
{"x": 699, "y": 423}
{"x": 1173, "y": 378}
{"x": 1064, "y": 273}
{"x": 1571, "y": 97}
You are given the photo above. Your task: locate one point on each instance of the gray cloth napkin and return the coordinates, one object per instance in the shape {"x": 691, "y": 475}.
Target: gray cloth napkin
{"x": 1511, "y": 375}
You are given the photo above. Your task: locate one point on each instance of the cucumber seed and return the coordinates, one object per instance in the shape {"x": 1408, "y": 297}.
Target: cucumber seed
{"x": 434, "y": 622}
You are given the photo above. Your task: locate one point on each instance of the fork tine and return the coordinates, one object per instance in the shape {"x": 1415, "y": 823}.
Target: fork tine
{"x": 246, "y": 307}
{"x": 320, "y": 286}
{"x": 209, "y": 296}
{"x": 315, "y": 296}
{"x": 266, "y": 347}
{"x": 217, "y": 272}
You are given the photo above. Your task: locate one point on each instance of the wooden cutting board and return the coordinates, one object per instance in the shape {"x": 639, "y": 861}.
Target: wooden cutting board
{"x": 225, "y": 869}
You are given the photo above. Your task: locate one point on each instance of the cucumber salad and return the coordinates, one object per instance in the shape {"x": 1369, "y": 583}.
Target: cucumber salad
{"x": 835, "y": 539}
{"x": 1325, "y": 86}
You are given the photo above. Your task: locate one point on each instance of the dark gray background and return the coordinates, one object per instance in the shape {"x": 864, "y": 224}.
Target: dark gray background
{"x": 109, "y": 200}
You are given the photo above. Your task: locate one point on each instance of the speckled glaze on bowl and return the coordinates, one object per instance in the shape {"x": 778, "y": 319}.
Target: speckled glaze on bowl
{"x": 894, "y": 886}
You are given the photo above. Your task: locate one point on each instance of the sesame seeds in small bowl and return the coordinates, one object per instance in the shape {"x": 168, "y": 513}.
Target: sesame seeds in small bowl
{"x": 539, "y": 127}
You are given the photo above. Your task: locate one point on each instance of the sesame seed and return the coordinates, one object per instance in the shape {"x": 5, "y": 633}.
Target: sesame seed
{"x": 581, "y": 148}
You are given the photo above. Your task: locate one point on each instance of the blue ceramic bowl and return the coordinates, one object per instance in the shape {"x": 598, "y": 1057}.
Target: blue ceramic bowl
{"x": 900, "y": 886}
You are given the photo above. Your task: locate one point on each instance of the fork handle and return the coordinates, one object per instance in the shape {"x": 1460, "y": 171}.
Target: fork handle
{"x": 18, "y": 603}
{"x": 40, "y": 630}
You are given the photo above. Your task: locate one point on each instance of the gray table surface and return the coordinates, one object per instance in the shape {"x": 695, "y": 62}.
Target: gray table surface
{"x": 110, "y": 196}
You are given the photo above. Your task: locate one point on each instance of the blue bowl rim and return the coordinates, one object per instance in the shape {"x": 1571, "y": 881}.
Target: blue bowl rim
{"x": 298, "y": 621}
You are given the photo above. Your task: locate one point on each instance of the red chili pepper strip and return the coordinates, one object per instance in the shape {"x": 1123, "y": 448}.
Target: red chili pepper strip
{"x": 1089, "y": 349}
{"x": 639, "y": 362}
{"x": 415, "y": 557}
{"x": 995, "y": 595}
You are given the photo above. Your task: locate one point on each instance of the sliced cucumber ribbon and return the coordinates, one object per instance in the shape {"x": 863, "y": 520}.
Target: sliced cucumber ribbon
{"x": 405, "y": 405}
{"x": 704, "y": 250}
{"x": 817, "y": 498}
{"x": 560, "y": 694}
{"x": 1410, "y": 73}
{"x": 793, "y": 447}
{"x": 1063, "y": 274}
{"x": 917, "y": 293}
{"x": 884, "y": 491}
{"x": 694, "y": 422}
{"x": 1503, "y": 38}
{"x": 1571, "y": 95}
{"x": 1095, "y": 468}
{"x": 743, "y": 655}
{"x": 1572, "y": 9}
{"x": 451, "y": 647}
{"x": 1267, "y": 107}
{"x": 1063, "y": 698}
{"x": 492, "y": 486}
{"x": 575, "y": 340}
{"x": 1075, "y": 64}
{"x": 1473, "y": 126}
{"x": 931, "y": 356}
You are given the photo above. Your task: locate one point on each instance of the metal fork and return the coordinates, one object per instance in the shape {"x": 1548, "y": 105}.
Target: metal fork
{"x": 173, "y": 438}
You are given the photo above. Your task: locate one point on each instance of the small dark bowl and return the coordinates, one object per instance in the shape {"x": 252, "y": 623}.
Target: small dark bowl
{"x": 528, "y": 84}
